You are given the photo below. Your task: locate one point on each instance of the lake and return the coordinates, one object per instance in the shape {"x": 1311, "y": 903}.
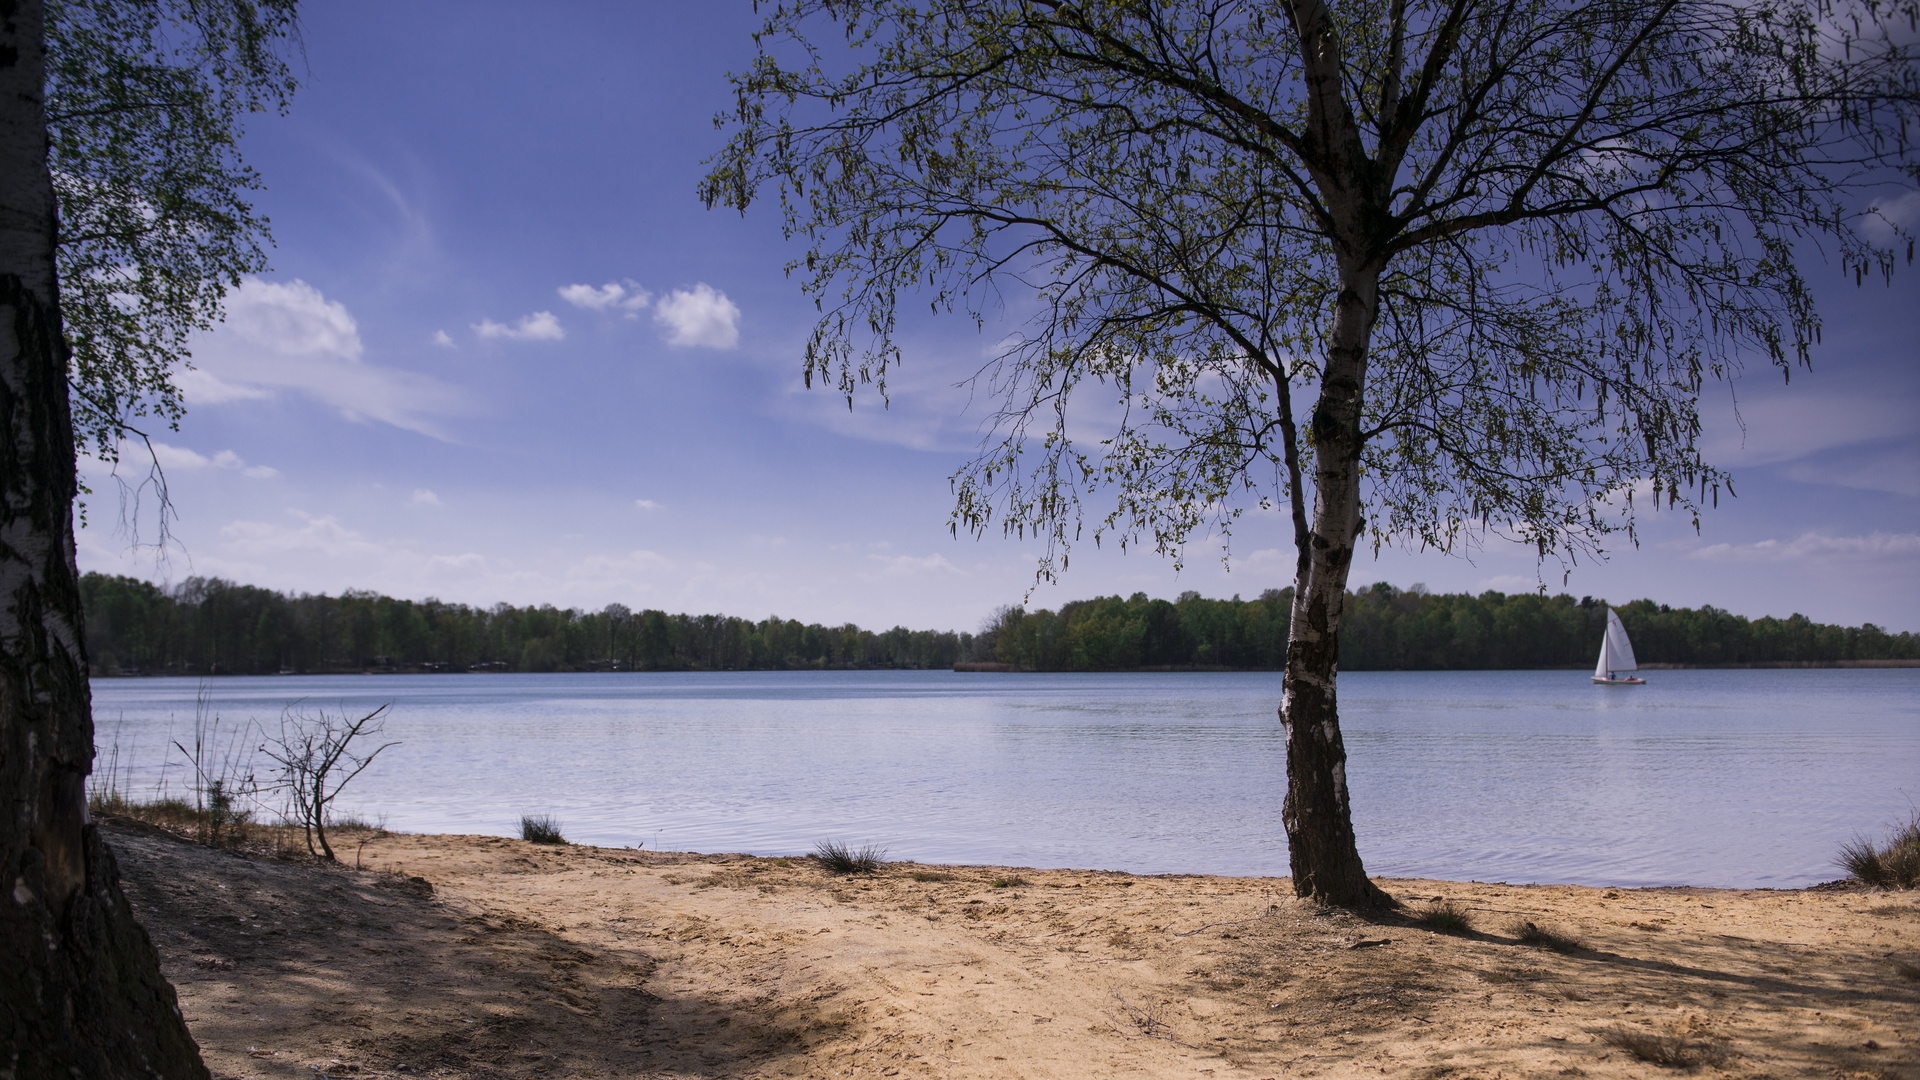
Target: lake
{"x": 1746, "y": 778}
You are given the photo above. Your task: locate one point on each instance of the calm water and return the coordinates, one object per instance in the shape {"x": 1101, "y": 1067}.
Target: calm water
{"x": 1741, "y": 778}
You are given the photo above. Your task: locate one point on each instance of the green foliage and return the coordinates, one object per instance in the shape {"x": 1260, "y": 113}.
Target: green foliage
{"x": 145, "y": 105}
{"x": 210, "y": 626}
{"x": 1498, "y": 248}
{"x": 1385, "y": 628}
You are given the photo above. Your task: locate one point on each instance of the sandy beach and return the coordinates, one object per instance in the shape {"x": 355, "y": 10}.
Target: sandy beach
{"x": 474, "y": 956}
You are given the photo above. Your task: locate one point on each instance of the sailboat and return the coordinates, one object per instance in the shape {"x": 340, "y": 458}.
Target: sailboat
{"x": 1616, "y": 656}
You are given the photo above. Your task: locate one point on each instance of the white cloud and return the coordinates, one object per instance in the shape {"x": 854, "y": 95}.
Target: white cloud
{"x": 181, "y": 459}
{"x": 1886, "y": 216}
{"x": 444, "y": 340}
{"x": 202, "y": 387}
{"x": 1816, "y": 546}
{"x": 1895, "y": 469}
{"x": 1510, "y": 583}
{"x": 629, "y": 298}
{"x": 539, "y": 326}
{"x": 288, "y": 336}
{"x": 702, "y": 316}
{"x": 174, "y": 457}
{"x": 647, "y": 504}
{"x": 323, "y": 535}
{"x": 1788, "y": 424}
{"x": 909, "y": 566}
{"x": 423, "y": 497}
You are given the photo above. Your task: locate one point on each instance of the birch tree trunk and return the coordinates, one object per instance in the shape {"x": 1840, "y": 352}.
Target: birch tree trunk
{"x": 80, "y": 987}
{"x": 1317, "y": 813}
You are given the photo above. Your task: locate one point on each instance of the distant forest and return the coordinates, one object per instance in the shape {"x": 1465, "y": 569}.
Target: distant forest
{"x": 210, "y": 626}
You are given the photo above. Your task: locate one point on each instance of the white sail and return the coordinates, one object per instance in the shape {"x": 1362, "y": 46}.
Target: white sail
{"x": 1616, "y": 652}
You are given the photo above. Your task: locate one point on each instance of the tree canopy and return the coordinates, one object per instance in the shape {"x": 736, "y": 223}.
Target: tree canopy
{"x": 146, "y": 102}
{"x": 1411, "y": 271}
{"x": 1575, "y": 213}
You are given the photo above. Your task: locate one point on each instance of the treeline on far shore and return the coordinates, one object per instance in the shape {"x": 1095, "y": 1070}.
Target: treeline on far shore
{"x": 210, "y": 626}
{"x": 206, "y": 626}
{"x": 1388, "y": 629}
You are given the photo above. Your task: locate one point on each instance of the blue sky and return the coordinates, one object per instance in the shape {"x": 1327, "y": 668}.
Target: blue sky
{"x": 504, "y": 354}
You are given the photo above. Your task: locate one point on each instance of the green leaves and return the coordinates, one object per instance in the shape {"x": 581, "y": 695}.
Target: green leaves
{"x": 1560, "y": 219}
{"x": 145, "y": 102}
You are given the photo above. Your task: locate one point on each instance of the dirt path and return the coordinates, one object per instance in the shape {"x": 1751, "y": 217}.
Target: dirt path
{"x": 520, "y": 960}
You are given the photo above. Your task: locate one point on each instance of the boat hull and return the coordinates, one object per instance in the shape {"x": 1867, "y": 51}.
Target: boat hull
{"x": 1629, "y": 681}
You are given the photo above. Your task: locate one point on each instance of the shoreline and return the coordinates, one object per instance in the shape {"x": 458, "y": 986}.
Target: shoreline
{"x": 468, "y": 956}
{"x": 995, "y": 667}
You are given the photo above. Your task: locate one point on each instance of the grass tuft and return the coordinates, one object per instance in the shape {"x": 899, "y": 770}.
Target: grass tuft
{"x": 932, "y": 875}
{"x": 1531, "y": 933}
{"x": 1445, "y": 916}
{"x": 1894, "y": 865}
{"x": 540, "y": 829}
{"x": 1664, "y": 1050}
{"x": 839, "y": 858}
{"x": 1013, "y": 882}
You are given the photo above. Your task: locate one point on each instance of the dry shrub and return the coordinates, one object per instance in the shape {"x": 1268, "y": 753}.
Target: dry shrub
{"x": 540, "y": 829}
{"x": 1895, "y": 865}
{"x": 1664, "y": 1050}
{"x": 1531, "y": 933}
{"x": 1445, "y": 916}
{"x": 839, "y": 858}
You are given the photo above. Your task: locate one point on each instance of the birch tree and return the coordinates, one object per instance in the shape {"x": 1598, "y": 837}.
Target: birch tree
{"x": 1420, "y": 273}
{"x": 146, "y": 104}
{"x": 150, "y": 247}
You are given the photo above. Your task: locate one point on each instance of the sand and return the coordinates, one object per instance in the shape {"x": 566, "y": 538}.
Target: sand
{"x": 472, "y": 956}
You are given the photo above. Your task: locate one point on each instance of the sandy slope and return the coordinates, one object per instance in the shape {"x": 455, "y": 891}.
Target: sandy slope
{"x": 527, "y": 961}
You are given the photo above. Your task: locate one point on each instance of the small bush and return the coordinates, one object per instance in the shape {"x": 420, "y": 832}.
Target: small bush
{"x": 1664, "y": 1050}
{"x": 1894, "y": 866}
{"x": 1530, "y": 933}
{"x": 1013, "y": 882}
{"x": 838, "y": 858}
{"x": 931, "y": 875}
{"x": 1445, "y": 916}
{"x": 540, "y": 829}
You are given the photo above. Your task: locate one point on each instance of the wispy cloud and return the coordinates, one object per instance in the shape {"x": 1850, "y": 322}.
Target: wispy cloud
{"x": 1816, "y": 546}
{"x": 289, "y": 337}
{"x": 648, "y": 504}
{"x": 1889, "y": 216}
{"x": 1510, "y": 583}
{"x": 700, "y": 316}
{"x": 911, "y": 566}
{"x": 423, "y": 497}
{"x": 181, "y": 459}
{"x": 539, "y": 326}
{"x": 444, "y": 340}
{"x": 1894, "y": 468}
{"x": 1790, "y": 424}
{"x": 628, "y": 298}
